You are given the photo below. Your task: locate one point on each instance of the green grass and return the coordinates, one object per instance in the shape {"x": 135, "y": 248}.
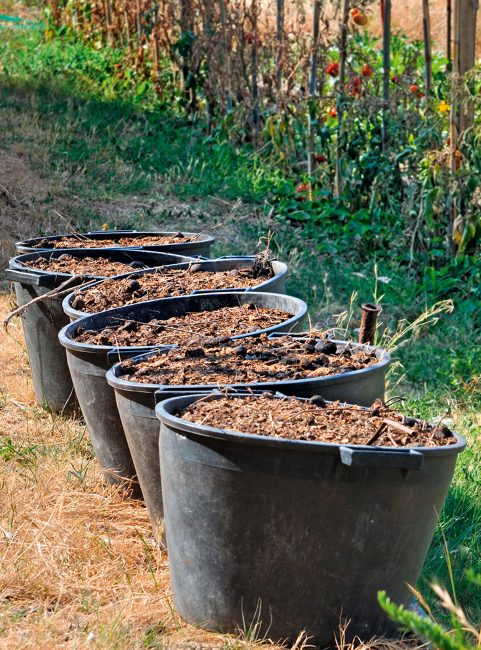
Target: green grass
{"x": 99, "y": 144}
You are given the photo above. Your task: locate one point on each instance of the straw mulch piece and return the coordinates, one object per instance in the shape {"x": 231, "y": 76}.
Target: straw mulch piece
{"x": 79, "y": 567}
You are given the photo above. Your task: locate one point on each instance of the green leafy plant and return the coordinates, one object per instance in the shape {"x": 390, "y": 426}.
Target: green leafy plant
{"x": 463, "y": 635}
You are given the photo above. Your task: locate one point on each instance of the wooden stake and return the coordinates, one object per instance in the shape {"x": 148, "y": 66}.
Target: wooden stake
{"x": 449, "y": 18}
{"x": 341, "y": 93}
{"x": 280, "y": 42}
{"x": 427, "y": 48}
{"x": 311, "y": 117}
{"x": 386, "y": 74}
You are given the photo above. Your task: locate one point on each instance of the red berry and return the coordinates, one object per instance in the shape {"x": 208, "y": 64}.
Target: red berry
{"x": 320, "y": 158}
{"x": 302, "y": 188}
{"x": 413, "y": 89}
{"x": 366, "y": 70}
{"x": 333, "y": 69}
{"x": 359, "y": 17}
{"x": 333, "y": 112}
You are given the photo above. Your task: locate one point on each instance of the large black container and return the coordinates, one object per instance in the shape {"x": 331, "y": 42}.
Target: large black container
{"x": 299, "y": 534}
{"x": 276, "y": 284}
{"x": 43, "y": 320}
{"x": 136, "y": 406}
{"x": 200, "y": 246}
{"x": 89, "y": 363}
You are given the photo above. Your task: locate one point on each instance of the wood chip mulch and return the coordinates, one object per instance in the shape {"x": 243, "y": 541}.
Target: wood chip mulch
{"x": 315, "y": 420}
{"x": 260, "y": 359}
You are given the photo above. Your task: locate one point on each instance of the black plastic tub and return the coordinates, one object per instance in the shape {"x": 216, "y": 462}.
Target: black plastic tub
{"x": 43, "y": 320}
{"x": 276, "y": 284}
{"x": 298, "y": 535}
{"x": 199, "y": 246}
{"x": 136, "y": 406}
{"x": 88, "y": 363}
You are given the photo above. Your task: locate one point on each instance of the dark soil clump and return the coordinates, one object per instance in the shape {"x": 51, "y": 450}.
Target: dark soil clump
{"x": 294, "y": 419}
{"x": 253, "y": 360}
{"x": 83, "y": 241}
{"x": 193, "y": 328}
{"x": 161, "y": 283}
{"x": 92, "y": 266}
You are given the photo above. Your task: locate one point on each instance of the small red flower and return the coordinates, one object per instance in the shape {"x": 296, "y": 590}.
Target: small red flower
{"x": 320, "y": 158}
{"x": 366, "y": 70}
{"x": 395, "y": 79}
{"x": 333, "y": 112}
{"x": 333, "y": 69}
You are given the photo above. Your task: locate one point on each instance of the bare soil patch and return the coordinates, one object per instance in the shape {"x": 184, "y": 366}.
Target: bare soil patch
{"x": 192, "y": 328}
{"x": 317, "y": 421}
{"x": 160, "y": 283}
{"x": 247, "y": 361}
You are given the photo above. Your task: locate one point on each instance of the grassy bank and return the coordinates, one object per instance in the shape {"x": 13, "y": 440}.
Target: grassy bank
{"x": 77, "y": 149}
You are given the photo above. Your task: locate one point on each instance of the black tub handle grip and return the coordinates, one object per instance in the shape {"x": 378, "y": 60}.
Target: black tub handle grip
{"x": 25, "y": 277}
{"x": 392, "y": 458}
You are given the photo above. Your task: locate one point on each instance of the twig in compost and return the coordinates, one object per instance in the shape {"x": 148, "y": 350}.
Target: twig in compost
{"x": 377, "y": 433}
{"x": 402, "y": 428}
{"x": 57, "y": 292}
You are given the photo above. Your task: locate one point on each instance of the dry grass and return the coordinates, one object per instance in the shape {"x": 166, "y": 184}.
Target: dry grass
{"x": 79, "y": 567}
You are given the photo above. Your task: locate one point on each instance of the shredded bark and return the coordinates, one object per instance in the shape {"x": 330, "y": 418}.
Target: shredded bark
{"x": 161, "y": 283}
{"x": 314, "y": 420}
{"x": 83, "y": 241}
{"x": 95, "y": 266}
{"x": 260, "y": 359}
{"x": 193, "y": 328}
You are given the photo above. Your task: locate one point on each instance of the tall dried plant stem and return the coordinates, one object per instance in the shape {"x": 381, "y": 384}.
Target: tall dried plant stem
{"x": 386, "y": 73}
{"x": 312, "y": 112}
{"x": 427, "y": 48}
{"x": 341, "y": 93}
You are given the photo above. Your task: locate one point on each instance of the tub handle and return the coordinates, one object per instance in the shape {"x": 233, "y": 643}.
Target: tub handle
{"x": 32, "y": 279}
{"x": 392, "y": 458}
